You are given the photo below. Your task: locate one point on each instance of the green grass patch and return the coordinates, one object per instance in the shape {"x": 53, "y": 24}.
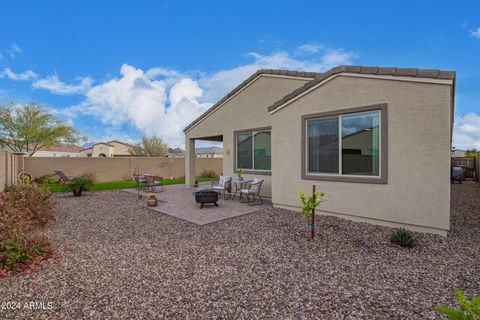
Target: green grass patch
{"x": 114, "y": 185}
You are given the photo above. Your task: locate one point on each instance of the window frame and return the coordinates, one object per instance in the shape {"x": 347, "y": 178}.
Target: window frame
{"x": 253, "y": 131}
{"x": 382, "y": 178}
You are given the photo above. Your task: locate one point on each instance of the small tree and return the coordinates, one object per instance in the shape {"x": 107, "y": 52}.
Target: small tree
{"x": 30, "y": 127}
{"x": 308, "y": 206}
{"x": 472, "y": 153}
{"x": 149, "y": 147}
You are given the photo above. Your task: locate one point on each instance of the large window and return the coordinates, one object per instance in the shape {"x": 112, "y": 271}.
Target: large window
{"x": 346, "y": 146}
{"x": 253, "y": 150}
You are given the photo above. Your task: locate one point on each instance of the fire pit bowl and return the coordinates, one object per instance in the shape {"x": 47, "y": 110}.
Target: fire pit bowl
{"x": 206, "y": 196}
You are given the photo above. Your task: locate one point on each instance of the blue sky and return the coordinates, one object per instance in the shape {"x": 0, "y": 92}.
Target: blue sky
{"x": 123, "y": 69}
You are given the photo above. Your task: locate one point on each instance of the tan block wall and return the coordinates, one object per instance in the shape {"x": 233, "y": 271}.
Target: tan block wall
{"x": 115, "y": 169}
{"x": 418, "y": 190}
{"x": 246, "y": 110}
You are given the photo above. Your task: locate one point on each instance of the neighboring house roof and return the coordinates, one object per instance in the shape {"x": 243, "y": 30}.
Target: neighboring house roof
{"x": 209, "y": 150}
{"x": 104, "y": 143}
{"x": 378, "y": 71}
{"x": 87, "y": 149}
{"x": 297, "y": 74}
{"x": 120, "y": 142}
{"x": 63, "y": 148}
{"x": 317, "y": 78}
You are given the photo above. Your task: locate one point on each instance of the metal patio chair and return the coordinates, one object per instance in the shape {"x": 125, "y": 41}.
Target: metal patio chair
{"x": 152, "y": 184}
{"x": 223, "y": 185}
{"x": 252, "y": 192}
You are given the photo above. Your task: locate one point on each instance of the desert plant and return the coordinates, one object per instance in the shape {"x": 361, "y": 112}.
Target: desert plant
{"x": 17, "y": 254}
{"x": 469, "y": 309}
{"x": 208, "y": 174}
{"x": 403, "y": 237}
{"x": 22, "y": 210}
{"x": 48, "y": 179}
{"x": 79, "y": 184}
{"x": 239, "y": 173}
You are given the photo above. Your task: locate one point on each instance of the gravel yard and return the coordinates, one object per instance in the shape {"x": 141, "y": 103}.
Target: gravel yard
{"x": 120, "y": 260}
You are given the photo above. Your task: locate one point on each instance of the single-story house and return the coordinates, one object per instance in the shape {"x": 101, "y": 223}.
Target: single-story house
{"x": 62, "y": 150}
{"x": 108, "y": 149}
{"x": 351, "y": 131}
{"x": 458, "y": 153}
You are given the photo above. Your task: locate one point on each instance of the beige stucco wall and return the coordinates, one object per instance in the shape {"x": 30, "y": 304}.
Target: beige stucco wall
{"x": 115, "y": 169}
{"x": 119, "y": 149}
{"x": 418, "y": 190}
{"x": 246, "y": 110}
{"x": 104, "y": 148}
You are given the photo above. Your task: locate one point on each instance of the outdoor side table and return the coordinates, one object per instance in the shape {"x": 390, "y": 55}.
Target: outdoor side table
{"x": 239, "y": 184}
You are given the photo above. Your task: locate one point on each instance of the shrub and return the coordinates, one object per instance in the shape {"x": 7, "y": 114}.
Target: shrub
{"x": 79, "y": 184}
{"x": 90, "y": 176}
{"x": 48, "y": 179}
{"x": 22, "y": 210}
{"x": 469, "y": 309}
{"x": 17, "y": 255}
{"x": 208, "y": 174}
{"x": 403, "y": 237}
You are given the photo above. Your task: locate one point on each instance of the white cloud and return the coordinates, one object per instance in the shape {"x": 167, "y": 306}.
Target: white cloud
{"x": 163, "y": 101}
{"x": 475, "y": 33}
{"x": 151, "y": 106}
{"x": 221, "y": 82}
{"x": 24, "y": 76}
{"x": 15, "y": 49}
{"x": 308, "y": 48}
{"x": 466, "y": 133}
{"x": 54, "y": 85}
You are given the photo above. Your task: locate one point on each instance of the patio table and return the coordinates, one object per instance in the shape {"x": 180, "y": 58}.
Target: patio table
{"x": 239, "y": 184}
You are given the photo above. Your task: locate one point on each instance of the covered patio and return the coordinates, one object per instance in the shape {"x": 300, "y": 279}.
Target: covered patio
{"x": 177, "y": 201}
{"x": 190, "y": 169}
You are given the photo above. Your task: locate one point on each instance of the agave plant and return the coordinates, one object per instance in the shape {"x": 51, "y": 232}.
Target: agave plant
{"x": 403, "y": 237}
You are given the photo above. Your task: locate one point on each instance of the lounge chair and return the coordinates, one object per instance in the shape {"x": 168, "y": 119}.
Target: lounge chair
{"x": 253, "y": 189}
{"x": 63, "y": 178}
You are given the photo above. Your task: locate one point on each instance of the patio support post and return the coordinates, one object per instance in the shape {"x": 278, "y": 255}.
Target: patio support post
{"x": 190, "y": 162}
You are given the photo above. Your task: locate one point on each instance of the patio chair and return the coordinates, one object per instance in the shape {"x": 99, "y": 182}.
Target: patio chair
{"x": 223, "y": 185}
{"x": 140, "y": 182}
{"x": 253, "y": 189}
{"x": 63, "y": 178}
{"x": 152, "y": 184}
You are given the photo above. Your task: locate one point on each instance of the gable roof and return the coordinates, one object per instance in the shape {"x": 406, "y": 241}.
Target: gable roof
{"x": 287, "y": 73}
{"x": 120, "y": 142}
{"x": 317, "y": 78}
{"x": 379, "y": 71}
{"x": 63, "y": 148}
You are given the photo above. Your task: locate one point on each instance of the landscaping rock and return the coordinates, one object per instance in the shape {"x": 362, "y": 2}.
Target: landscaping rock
{"x": 121, "y": 260}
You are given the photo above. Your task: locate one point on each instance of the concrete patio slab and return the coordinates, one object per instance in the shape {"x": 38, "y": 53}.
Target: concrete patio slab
{"x": 178, "y": 201}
